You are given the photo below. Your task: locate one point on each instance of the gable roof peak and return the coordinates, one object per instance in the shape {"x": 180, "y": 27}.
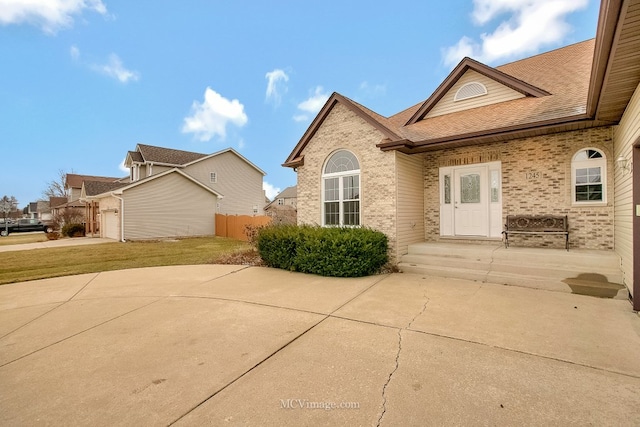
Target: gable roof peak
{"x": 465, "y": 65}
{"x": 376, "y": 120}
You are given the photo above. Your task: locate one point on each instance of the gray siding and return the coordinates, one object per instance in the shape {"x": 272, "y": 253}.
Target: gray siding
{"x": 168, "y": 206}
{"x": 239, "y": 183}
{"x": 625, "y": 135}
{"x": 496, "y": 92}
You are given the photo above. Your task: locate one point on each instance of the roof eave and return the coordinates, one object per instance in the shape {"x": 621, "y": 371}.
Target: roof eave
{"x": 606, "y": 33}
{"x": 493, "y": 135}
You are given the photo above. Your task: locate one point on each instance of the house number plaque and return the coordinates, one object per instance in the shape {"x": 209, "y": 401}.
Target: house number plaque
{"x": 532, "y": 175}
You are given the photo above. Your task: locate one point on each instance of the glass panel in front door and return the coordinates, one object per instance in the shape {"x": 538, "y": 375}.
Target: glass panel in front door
{"x": 470, "y": 188}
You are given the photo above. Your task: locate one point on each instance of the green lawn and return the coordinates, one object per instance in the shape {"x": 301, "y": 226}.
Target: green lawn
{"x": 54, "y": 262}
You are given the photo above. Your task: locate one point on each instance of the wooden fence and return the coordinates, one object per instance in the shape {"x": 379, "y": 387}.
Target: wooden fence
{"x": 233, "y": 225}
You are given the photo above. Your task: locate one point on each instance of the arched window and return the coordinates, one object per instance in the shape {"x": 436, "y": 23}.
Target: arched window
{"x": 470, "y": 90}
{"x": 341, "y": 189}
{"x": 589, "y": 176}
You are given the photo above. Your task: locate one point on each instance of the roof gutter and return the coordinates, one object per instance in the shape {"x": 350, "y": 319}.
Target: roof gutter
{"x": 492, "y": 135}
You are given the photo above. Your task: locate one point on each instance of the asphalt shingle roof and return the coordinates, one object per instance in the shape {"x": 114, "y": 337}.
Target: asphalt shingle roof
{"x": 170, "y": 156}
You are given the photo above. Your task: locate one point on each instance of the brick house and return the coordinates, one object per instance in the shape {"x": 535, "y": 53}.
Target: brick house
{"x": 555, "y": 133}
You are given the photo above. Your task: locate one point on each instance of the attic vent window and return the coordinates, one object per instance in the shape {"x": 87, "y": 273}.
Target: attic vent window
{"x": 470, "y": 90}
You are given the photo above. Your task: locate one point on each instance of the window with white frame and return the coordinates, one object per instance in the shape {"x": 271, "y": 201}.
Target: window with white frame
{"x": 588, "y": 176}
{"x": 341, "y": 190}
{"x": 213, "y": 177}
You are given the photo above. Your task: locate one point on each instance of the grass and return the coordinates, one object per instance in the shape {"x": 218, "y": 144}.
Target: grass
{"x": 35, "y": 264}
{"x": 20, "y": 238}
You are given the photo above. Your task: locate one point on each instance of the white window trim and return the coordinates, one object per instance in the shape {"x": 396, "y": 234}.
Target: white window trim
{"x": 341, "y": 200}
{"x": 581, "y": 164}
{"x": 213, "y": 177}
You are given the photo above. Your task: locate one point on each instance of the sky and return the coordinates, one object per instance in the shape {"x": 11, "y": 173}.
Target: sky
{"x": 83, "y": 81}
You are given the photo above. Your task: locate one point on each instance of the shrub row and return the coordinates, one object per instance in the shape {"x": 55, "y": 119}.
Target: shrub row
{"x": 72, "y": 230}
{"x": 334, "y": 251}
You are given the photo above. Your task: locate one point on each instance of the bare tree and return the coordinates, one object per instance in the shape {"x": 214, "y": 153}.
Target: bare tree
{"x": 7, "y": 205}
{"x": 57, "y": 187}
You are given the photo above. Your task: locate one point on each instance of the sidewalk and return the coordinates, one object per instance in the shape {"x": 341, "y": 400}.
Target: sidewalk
{"x": 76, "y": 241}
{"x": 237, "y": 345}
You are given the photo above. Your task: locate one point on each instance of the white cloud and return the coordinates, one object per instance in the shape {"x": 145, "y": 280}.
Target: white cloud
{"x": 210, "y": 118}
{"x": 74, "y": 52}
{"x": 114, "y": 68}
{"x": 372, "y": 90}
{"x": 270, "y": 190}
{"x": 530, "y": 24}
{"x": 276, "y": 86}
{"x": 122, "y": 167}
{"x": 312, "y": 105}
{"x": 49, "y": 15}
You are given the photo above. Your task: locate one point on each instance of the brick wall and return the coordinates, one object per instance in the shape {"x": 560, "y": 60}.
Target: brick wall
{"x": 343, "y": 129}
{"x": 536, "y": 179}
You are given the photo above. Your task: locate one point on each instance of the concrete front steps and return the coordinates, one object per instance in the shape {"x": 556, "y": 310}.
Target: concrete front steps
{"x": 580, "y": 271}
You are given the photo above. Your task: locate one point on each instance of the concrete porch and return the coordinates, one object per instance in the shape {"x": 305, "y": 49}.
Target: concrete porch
{"x": 579, "y": 271}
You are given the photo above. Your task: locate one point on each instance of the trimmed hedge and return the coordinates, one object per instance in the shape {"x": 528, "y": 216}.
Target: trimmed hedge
{"x": 333, "y": 251}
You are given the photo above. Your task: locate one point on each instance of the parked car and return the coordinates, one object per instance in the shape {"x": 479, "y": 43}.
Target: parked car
{"x": 23, "y": 225}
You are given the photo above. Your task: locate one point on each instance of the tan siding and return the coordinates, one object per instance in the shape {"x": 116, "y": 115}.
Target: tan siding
{"x": 625, "y": 135}
{"x": 156, "y": 169}
{"x": 239, "y": 183}
{"x": 168, "y": 206}
{"x": 410, "y": 206}
{"x": 496, "y": 92}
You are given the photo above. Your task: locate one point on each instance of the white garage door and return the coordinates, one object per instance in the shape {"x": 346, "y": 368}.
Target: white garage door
{"x": 111, "y": 229}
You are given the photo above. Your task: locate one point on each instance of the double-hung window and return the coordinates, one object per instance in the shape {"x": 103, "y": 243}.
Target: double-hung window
{"x": 341, "y": 190}
{"x": 588, "y": 173}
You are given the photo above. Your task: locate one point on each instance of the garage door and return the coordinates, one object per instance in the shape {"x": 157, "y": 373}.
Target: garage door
{"x": 111, "y": 225}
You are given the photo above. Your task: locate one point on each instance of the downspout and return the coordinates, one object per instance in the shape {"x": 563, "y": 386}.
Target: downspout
{"x": 121, "y": 216}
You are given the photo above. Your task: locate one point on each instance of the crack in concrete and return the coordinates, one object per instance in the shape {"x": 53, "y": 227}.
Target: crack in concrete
{"x": 397, "y": 366}
{"x": 384, "y": 387}
{"x": 486, "y": 277}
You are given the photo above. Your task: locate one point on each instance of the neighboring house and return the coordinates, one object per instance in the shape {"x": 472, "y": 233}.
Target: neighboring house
{"x": 167, "y": 204}
{"x": 173, "y": 193}
{"x": 31, "y": 211}
{"x": 77, "y": 209}
{"x": 73, "y": 183}
{"x": 556, "y": 133}
{"x": 283, "y": 208}
{"x": 226, "y": 172}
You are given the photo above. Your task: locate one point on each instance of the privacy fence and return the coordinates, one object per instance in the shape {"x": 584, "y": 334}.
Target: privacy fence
{"x": 233, "y": 225}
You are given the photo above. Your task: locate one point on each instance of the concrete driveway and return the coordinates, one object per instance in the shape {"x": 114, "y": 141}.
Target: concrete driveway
{"x": 234, "y": 345}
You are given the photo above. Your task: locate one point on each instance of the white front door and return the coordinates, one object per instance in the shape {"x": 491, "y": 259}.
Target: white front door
{"x": 471, "y": 204}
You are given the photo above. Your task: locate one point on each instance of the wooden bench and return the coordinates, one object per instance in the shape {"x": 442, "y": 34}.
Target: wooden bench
{"x": 536, "y": 224}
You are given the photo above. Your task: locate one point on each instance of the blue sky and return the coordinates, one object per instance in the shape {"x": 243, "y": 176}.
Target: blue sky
{"x": 83, "y": 81}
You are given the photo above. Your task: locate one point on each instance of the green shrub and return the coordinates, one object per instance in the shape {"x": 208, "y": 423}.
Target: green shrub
{"x": 277, "y": 245}
{"x": 72, "y": 230}
{"x": 335, "y": 251}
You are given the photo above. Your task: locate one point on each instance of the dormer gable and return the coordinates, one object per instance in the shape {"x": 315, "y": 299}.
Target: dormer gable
{"x": 470, "y": 85}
